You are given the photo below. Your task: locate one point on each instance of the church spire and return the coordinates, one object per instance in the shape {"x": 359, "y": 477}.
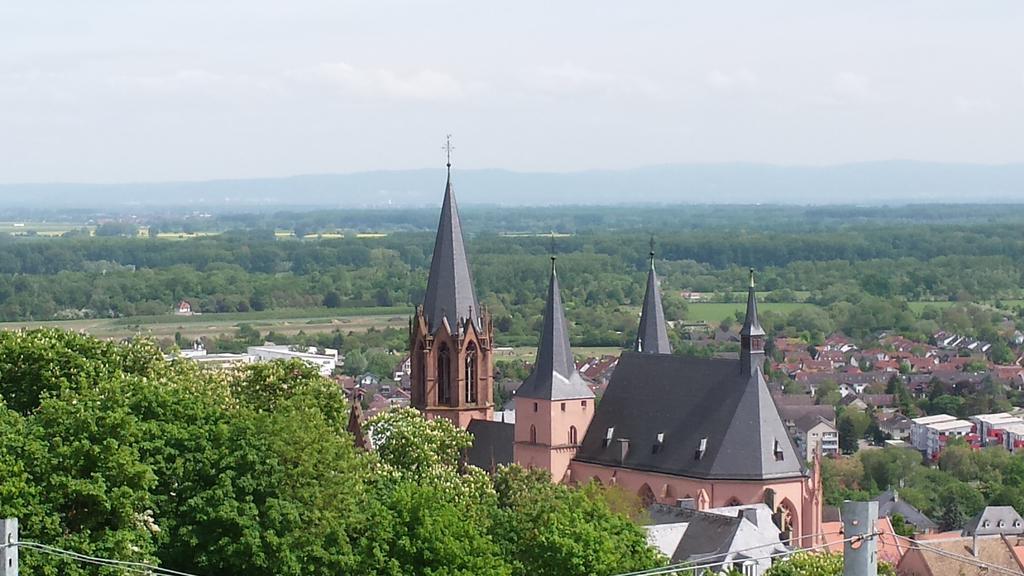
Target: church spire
{"x": 554, "y": 375}
{"x": 449, "y": 292}
{"x": 652, "y": 335}
{"x": 752, "y": 335}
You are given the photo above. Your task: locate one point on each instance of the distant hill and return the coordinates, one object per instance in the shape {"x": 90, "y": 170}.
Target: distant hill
{"x": 893, "y": 182}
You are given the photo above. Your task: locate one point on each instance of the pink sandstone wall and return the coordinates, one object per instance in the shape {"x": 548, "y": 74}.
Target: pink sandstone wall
{"x": 553, "y": 449}
{"x": 795, "y": 495}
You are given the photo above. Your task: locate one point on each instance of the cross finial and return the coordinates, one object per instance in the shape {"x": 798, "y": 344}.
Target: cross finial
{"x": 553, "y": 256}
{"x": 751, "y": 277}
{"x": 448, "y": 150}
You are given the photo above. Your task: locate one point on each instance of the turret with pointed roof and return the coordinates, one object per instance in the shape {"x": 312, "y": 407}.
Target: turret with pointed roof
{"x": 450, "y": 344}
{"x": 554, "y": 375}
{"x": 751, "y": 335}
{"x": 652, "y": 334}
{"x": 554, "y": 405}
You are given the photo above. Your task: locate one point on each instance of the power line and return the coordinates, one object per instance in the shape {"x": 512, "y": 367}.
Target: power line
{"x": 137, "y": 567}
{"x": 953, "y": 555}
{"x": 724, "y": 554}
{"x": 686, "y": 567}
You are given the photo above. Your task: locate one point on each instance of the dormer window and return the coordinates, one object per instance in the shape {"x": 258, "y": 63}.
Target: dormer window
{"x": 658, "y": 441}
{"x": 1002, "y": 524}
{"x": 777, "y": 450}
{"x": 702, "y": 447}
{"x": 986, "y": 524}
{"x": 608, "y": 436}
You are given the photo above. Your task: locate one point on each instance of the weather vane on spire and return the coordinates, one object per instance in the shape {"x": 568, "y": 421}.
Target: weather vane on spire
{"x": 751, "y": 277}
{"x": 448, "y": 149}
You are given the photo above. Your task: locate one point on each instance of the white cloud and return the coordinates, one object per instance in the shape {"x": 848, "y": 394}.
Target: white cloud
{"x": 422, "y": 84}
{"x": 572, "y": 78}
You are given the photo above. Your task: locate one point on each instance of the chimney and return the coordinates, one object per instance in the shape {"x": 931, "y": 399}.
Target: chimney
{"x": 974, "y": 545}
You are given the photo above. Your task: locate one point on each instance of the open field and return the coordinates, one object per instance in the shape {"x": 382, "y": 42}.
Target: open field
{"x": 281, "y": 321}
{"x": 528, "y": 353}
{"x": 714, "y": 312}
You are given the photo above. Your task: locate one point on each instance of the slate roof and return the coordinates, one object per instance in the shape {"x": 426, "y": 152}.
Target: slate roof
{"x": 689, "y": 399}
{"x": 995, "y": 520}
{"x": 791, "y": 413}
{"x": 554, "y": 375}
{"x": 652, "y": 334}
{"x": 492, "y": 444}
{"x": 449, "y": 287}
{"x": 707, "y": 534}
{"x": 890, "y": 504}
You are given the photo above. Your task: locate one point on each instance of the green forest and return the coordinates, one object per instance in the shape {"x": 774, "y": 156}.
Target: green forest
{"x": 858, "y": 270}
{"x": 111, "y": 451}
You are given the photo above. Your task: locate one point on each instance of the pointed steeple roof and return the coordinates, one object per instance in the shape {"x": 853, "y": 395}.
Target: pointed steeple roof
{"x": 554, "y": 375}
{"x": 751, "y": 325}
{"x": 652, "y": 335}
{"x": 449, "y": 287}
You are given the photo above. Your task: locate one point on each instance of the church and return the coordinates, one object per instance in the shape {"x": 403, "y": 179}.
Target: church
{"x": 676, "y": 430}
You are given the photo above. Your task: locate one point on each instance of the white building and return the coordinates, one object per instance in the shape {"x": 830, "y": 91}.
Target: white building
{"x": 938, "y": 434}
{"x": 988, "y": 423}
{"x": 919, "y": 429}
{"x": 326, "y": 363}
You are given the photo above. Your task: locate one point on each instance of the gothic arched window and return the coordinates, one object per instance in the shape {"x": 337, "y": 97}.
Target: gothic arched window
{"x": 471, "y": 373}
{"x": 444, "y": 376}
{"x": 533, "y": 434}
{"x": 573, "y": 439}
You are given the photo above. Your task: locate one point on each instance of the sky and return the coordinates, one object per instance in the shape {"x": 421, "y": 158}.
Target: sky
{"x": 145, "y": 90}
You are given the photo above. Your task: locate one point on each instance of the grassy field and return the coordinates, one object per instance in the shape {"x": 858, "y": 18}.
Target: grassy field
{"x": 714, "y": 312}
{"x": 282, "y": 321}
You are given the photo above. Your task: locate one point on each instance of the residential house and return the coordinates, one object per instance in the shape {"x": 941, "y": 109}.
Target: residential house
{"x": 988, "y": 426}
{"x": 965, "y": 556}
{"x": 812, "y": 432}
{"x": 896, "y": 426}
{"x": 929, "y": 434}
{"x": 1002, "y": 520}
{"x": 890, "y": 504}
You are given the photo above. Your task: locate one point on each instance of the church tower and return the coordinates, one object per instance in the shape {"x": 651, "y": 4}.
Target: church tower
{"x": 450, "y": 336}
{"x": 652, "y": 334}
{"x": 554, "y": 405}
{"x": 751, "y": 335}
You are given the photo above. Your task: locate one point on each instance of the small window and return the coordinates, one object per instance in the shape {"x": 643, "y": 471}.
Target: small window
{"x": 1002, "y": 524}
{"x": 533, "y": 434}
{"x": 563, "y": 406}
{"x": 778, "y": 452}
{"x": 573, "y": 437}
{"x": 608, "y": 436}
{"x": 986, "y": 524}
{"x": 583, "y": 403}
{"x": 535, "y": 407}
{"x": 658, "y": 441}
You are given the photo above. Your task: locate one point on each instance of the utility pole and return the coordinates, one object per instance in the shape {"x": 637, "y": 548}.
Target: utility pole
{"x": 860, "y": 555}
{"x": 9, "y": 547}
